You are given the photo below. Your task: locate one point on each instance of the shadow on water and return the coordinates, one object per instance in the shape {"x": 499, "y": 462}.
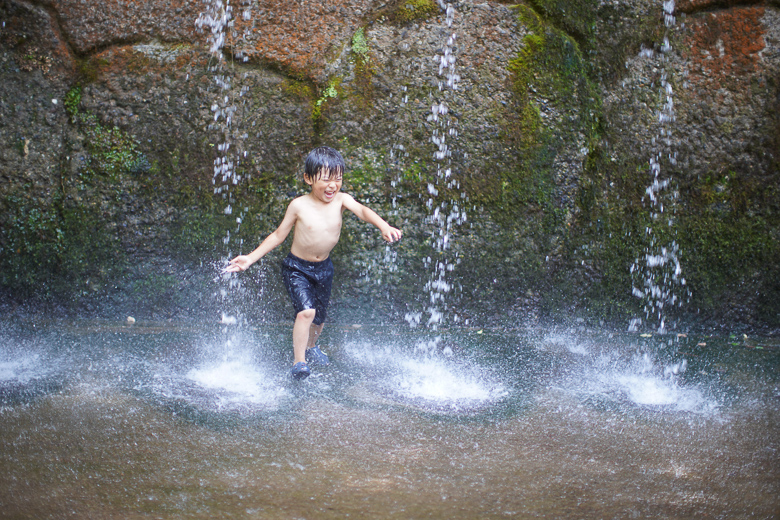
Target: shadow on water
{"x": 477, "y": 423}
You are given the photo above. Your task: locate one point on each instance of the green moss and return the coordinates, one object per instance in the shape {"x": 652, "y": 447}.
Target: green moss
{"x": 112, "y": 151}
{"x": 31, "y": 241}
{"x": 548, "y": 69}
{"x": 298, "y": 89}
{"x": 72, "y": 101}
{"x": 724, "y": 223}
{"x": 414, "y": 10}
{"x": 550, "y": 75}
{"x": 364, "y": 175}
{"x": 306, "y": 91}
{"x": 55, "y": 245}
{"x": 21, "y": 146}
{"x": 329, "y": 92}
{"x": 550, "y": 64}
{"x": 415, "y": 173}
{"x": 48, "y": 249}
{"x": 365, "y": 69}
{"x": 92, "y": 252}
{"x": 199, "y": 226}
{"x": 360, "y": 47}
{"x": 721, "y": 253}
{"x": 728, "y": 233}
{"x": 577, "y": 18}
{"x": 89, "y": 68}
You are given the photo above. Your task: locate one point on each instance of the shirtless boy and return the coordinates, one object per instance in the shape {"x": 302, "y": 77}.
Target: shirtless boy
{"x": 308, "y": 271}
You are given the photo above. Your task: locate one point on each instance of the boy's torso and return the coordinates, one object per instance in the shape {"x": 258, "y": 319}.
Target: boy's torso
{"x": 317, "y": 227}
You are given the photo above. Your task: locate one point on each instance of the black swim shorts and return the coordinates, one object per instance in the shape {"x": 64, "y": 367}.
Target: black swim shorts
{"x": 308, "y": 284}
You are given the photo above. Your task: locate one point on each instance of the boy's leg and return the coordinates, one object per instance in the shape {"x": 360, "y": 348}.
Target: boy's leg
{"x": 309, "y": 289}
{"x": 303, "y": 324}
{"x": 315, "y": 356}
{"x": 299, "y": 287}
{"x": 314, "y": 334}
{"x": 321, "y": 300}
{"x": 322, "y": 287}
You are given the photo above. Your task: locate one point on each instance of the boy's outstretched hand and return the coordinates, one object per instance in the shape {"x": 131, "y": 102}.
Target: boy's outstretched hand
{"x": 239, "y": 263}
{"x": 392, "y": 234}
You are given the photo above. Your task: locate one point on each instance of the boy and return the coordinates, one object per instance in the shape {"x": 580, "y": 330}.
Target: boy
{"x": 308, "y": 271}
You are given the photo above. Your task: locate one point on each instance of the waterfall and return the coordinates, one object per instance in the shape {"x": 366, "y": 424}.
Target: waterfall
{"x": 217, "y": 21}
{"x": 445, "y": 202}
{"x": 657, "y": 274}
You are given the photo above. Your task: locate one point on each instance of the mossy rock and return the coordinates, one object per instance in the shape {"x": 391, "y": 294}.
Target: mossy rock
{"x": 409, "y": 11}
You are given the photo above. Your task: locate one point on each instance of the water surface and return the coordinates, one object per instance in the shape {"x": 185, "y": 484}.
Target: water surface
{"x": 107, "y": 420}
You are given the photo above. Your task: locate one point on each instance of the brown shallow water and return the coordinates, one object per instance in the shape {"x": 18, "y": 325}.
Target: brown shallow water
{"x": 110, "y": 444}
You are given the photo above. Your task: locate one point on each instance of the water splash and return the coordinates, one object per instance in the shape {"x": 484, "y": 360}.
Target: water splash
{"x": 236, "y": 380}
{"x": 657, "y": 274}
{"x": 444, "y": 386}
{"x": 28, "y": 370}
{"x": 234, "y": 383}
{"x": 604, "y": 370}
{"x": 429, "y": 378}
{"x": 22, "y": 369}
{"x": 646, "y": 383}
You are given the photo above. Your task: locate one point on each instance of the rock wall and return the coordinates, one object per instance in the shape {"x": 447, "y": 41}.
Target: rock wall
{"x": 722, "y": 69}
{"x": 107, "y": 141}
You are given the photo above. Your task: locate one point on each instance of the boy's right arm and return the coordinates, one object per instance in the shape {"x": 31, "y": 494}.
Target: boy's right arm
{"x": 242, "y": 262}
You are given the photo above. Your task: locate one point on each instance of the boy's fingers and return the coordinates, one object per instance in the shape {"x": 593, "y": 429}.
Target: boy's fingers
{"x": 232, "y": 268}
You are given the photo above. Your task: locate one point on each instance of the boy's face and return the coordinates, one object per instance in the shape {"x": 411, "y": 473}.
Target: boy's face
{"x": 325, "y": 185}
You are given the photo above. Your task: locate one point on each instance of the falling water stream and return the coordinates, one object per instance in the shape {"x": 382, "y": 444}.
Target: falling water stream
{"x": 658, "y": 274}
{"x": 447, "y": 211}
{"x": 218, "y": 23}
{"x": 446, "y": 205}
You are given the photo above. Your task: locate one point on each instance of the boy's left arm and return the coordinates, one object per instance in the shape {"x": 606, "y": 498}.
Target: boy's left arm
{"x": 389, "y": 233}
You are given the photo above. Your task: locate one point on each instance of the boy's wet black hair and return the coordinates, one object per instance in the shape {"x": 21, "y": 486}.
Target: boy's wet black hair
{"x": 323, "y": 158}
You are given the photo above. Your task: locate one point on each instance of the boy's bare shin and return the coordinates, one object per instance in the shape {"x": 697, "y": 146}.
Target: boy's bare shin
{"x": 301, "y": 330}
{"x": 314, "y": 334}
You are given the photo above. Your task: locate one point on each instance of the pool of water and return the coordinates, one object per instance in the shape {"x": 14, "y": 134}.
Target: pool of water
{"x": 110, "y": 420}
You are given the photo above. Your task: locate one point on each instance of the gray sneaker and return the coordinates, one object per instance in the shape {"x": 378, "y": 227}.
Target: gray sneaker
{"x": 314, "y": 356}
{"x": 300, "y": 371}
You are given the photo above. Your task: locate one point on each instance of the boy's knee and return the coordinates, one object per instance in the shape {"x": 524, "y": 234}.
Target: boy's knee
{"x": 307, "y": 314}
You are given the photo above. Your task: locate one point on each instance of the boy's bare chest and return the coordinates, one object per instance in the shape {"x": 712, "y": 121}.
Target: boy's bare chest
{"x": 326, "y": 219}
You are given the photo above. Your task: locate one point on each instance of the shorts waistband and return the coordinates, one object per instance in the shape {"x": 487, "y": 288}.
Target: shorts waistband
{"x": 306, "y": 262}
